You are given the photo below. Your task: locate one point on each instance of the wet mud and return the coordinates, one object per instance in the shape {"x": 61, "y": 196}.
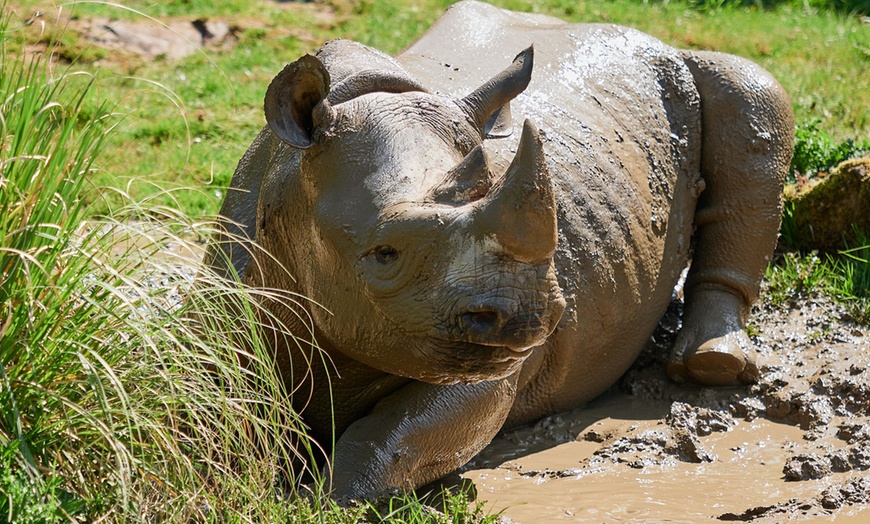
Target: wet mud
{"x": 794, "y": 447}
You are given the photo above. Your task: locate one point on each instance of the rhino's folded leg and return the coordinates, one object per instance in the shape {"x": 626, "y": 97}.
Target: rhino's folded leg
{"x": 712, "y": 347}
{"x": 748, "y": 132}
{"x": 417, "y": 435}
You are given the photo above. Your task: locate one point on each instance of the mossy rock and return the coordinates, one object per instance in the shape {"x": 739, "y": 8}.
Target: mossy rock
{"x": 825, "y": 212}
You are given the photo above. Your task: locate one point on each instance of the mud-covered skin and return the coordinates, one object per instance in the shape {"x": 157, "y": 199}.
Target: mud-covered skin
{"x": 467, "y": 283}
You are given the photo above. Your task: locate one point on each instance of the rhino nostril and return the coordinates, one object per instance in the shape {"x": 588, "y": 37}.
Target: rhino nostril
{"x": 481, "y": 322}
{"x": 490, "y": 325}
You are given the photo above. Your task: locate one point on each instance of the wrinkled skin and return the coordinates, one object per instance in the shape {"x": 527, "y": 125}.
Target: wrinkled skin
{"x": 475, "y": 272}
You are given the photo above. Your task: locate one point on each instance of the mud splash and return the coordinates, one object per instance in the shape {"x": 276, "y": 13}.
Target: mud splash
{"x": 794, "y": 447}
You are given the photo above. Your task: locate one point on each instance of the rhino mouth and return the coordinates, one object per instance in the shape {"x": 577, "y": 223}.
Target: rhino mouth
{"x": 470, "y": 361}
{"x": 464, "y": 347}
{"x": 485, "y": 347}
{"x": 497, "y": 324}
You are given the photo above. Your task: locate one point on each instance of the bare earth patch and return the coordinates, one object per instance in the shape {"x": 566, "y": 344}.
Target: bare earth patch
{"x": 172, "y": 39}
{"x": 794, "y": 447}
{"x": 175, "y": 38}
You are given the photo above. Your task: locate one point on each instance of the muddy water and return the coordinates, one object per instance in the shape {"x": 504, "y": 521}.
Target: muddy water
{"x": 569, "y": 482}
{"x": 793, "y": 448}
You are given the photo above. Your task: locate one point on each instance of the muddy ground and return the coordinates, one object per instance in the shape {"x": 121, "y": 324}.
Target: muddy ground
{"x": 795, "y": 447}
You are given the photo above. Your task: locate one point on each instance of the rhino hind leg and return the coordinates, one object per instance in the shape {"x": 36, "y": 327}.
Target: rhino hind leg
{"x": 747, "y": 133}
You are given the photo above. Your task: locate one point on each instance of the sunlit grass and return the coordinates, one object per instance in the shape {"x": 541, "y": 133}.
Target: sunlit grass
{"x": 843, "y": 276}
{"x": 797, "y": 277}
{"x": 852, "y": 277}
{"x": 118, "y": 400}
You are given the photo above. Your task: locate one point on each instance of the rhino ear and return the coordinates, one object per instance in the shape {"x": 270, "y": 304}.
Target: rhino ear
{"x": 499, "y": 124}
{"x": 488, "y": 106}
{"x": 291, "y": 100}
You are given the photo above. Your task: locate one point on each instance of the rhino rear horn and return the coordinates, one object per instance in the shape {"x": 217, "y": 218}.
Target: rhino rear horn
{"x": 488, "y": 106}
{"x": 470, "y": 180}
{"x": 292, "y": 99}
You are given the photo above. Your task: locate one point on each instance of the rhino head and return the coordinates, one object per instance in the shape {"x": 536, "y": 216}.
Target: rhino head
{"x": 429, "y": 265}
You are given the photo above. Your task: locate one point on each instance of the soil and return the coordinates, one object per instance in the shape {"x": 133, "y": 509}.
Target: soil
{"x": 173, "y": 38}
{"x": 793, "y": 447}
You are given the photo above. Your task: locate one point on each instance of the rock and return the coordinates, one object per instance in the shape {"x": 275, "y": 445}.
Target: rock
{"x": 698, "y": 421}
{"x": 174, "y": 39}
{"x": 808, "y": 466}
{"x": 749, "y": 514}
{"x": 853, "y": 492}
{"x": 824, "y": 211}
{"x": 839, "y": 461}
{"x": 594, "y": 436}
{"x": 853, "y": 433}
{"x": 687, "y": 447}
{"x": 859, "y": 456}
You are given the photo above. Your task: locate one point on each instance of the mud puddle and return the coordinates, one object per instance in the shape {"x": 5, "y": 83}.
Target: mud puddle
{"x": 581, "y": 481}
{"x": 793, "y": 448}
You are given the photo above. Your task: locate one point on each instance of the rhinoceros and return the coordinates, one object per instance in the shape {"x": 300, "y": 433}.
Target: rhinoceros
{"x": 489, "y": 241}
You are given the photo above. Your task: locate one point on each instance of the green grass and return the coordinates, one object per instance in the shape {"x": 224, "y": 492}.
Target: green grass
{"x": 106, "y": 408}
{"x": 797, "y": 277}
{"x": 843, "y": 276}
{"x": 851, "y": 272}
{"x": 815, "y": 151}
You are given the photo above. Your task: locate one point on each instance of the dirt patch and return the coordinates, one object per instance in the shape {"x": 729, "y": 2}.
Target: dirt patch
{"x": 111, "y": 40}
{"x": 114, "y": 42}
{"x": 795, "y": 446}
{"x": 173, "y": 39}
{"x": 325, "y": 14}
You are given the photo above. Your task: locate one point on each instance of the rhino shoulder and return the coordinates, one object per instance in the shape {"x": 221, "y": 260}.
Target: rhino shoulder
{"x": 257, "y": 175}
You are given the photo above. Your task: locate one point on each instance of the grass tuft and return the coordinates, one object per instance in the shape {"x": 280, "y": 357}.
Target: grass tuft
{"x": 796, "y": 277}
{"x": 852, "y": 278}
{"x": 119, "y": 400}
{"x": 456, "y": 507}
{"x": 815, "y": 151}
{"x": 844, "y": 276}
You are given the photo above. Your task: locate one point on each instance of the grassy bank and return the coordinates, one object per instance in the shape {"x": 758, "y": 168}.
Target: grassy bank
{"x": 107, "y": 412}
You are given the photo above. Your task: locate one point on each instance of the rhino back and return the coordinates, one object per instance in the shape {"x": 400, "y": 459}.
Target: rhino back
{"x": 620, "y": 117}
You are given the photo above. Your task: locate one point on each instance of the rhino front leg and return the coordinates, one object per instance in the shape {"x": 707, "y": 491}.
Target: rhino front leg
{"x": 417, "y": 435}
{"x": 748, "y": 133}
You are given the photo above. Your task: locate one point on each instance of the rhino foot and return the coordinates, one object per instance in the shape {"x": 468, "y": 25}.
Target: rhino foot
{"x": 712, "y": 348}
{"x": 718, "y": 362}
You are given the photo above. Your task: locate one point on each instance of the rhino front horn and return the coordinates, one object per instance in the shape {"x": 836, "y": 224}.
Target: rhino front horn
{"x": 520, "y": 210}
{"x": 487, "y": 105}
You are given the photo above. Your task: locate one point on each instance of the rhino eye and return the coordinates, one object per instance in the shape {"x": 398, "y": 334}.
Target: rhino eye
{"x": 386, "y": 254}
